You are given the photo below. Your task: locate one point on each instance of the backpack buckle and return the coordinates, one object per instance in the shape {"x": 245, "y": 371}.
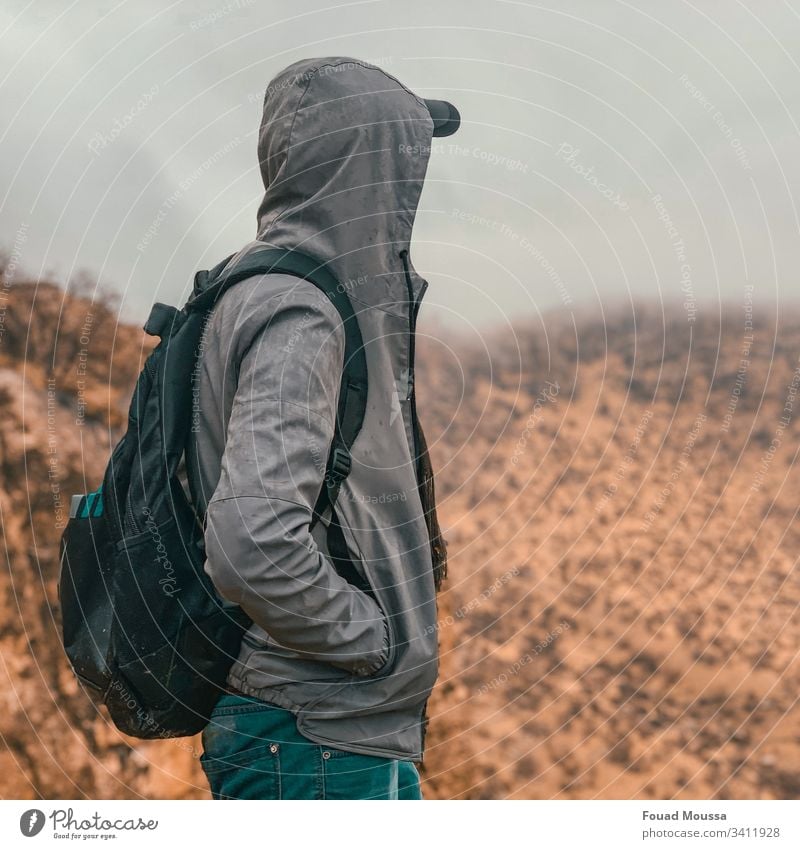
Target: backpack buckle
{"x": 340, "y": 464}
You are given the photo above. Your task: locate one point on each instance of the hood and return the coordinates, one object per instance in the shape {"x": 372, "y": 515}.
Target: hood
{"x": 343, "y": 149}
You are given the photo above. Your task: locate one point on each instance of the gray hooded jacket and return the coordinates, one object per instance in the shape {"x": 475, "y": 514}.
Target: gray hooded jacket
{"x": 343, "y": 149}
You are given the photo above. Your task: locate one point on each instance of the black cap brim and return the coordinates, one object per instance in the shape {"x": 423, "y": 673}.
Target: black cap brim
{"x": 446, "y": 119}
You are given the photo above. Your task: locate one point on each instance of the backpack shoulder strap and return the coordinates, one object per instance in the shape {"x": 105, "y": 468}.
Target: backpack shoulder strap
{"x": 353, "y": 389}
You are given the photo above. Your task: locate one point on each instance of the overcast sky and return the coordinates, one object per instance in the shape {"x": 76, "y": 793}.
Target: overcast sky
{"x": 607, "y": 150}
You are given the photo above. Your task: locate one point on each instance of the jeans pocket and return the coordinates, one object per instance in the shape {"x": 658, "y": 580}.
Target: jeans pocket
{"x": 348, "y": 775}
{"x": 250, "y": 773}
{"x": 241, "y": 749}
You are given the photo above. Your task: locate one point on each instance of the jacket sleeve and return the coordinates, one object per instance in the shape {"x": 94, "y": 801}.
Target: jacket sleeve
{"x": 260, "y": 553}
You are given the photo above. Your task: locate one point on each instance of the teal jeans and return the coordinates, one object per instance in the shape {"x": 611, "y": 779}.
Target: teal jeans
{"x": 253, "y": 750}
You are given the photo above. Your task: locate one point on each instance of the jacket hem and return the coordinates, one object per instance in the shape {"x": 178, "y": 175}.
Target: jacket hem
{"x": 265, "y": 694}
{"x": 358, "y": 749}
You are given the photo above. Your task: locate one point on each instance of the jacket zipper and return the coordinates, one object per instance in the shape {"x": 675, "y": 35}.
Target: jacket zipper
{"x": 413, "y": 310}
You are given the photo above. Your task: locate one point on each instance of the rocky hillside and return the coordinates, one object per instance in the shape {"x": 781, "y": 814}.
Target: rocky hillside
{"x": 622, "y": 613}
{"x": 67, "y": 369}
{"x": 622, "y": 617}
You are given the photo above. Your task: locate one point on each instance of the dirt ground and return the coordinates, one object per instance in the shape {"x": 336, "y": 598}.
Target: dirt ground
{"x": 621, "y": 616}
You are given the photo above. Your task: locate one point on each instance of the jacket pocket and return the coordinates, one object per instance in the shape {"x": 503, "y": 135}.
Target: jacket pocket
{"x": 370, "y": 587}
{"x": 389, "y": 633}
{"x": 284, "y": 663}
{"x": 391, "y": 640}
{"x": 387, "y": 653}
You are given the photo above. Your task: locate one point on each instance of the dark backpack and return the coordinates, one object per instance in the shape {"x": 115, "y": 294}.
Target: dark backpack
{"x": 143, "y": 626}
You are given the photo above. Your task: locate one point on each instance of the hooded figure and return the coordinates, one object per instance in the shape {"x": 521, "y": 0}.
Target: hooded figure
{"x": 353, "y": 656}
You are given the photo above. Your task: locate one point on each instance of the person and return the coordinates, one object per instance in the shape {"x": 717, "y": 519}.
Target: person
{"x": 328, "y": 695}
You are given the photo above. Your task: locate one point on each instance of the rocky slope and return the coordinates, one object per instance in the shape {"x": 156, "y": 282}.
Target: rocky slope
{"x": 620, "y": 497}
{"x": 622, "y": 616}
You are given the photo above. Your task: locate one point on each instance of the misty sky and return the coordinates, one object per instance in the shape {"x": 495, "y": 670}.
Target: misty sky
{"x": 608, "y": 150}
